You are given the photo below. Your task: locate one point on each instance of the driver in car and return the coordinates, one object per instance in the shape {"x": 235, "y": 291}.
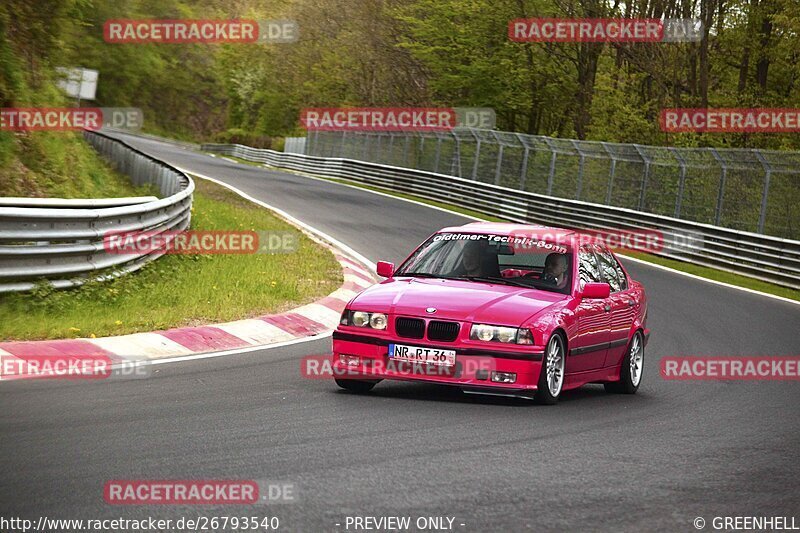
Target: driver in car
{"x": 555, "y": 270}
{"x": 477, "y": 260}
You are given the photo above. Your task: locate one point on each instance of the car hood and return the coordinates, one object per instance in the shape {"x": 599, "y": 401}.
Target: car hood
{"x": 492, "y": 303}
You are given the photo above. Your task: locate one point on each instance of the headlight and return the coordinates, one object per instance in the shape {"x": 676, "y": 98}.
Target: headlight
{"x": 482, "y": 332}
{"x": 487, "y": 333}
{"x": 506, "y": 334}
{"x": 359, "y": 318}
{"x": 362, "y": 319}
{"x": 378, "y": 321}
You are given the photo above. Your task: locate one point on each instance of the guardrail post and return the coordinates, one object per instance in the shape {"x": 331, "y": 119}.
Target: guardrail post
{"x": 762, "y": 216}
{"x": 722, "y": 179}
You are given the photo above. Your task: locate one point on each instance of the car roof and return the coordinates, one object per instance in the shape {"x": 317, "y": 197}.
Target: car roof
{"x": 509, "y": 228}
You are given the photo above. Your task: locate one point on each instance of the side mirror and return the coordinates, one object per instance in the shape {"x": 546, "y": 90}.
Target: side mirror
{"x": 596, "y": 291}
{"x": 385, "y": 269}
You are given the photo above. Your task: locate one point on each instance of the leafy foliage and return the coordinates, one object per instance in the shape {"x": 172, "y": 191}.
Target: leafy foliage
{"x": 416, "y": 52}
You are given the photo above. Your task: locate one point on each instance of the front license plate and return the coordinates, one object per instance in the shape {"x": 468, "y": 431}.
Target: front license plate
{"x": 418, "y": 354}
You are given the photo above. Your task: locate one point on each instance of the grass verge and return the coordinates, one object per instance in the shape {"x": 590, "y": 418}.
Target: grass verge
{"x": 59, "y": 165}
{"x": 697, "y": 270}
{"x": 182, "y": 290}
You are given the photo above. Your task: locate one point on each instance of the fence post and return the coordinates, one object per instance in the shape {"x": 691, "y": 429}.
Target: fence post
{"x": 762, "y": 217}
{"x": 551, "y": 176}
{"x": 438, "y": 153}
{"x": 523, "y": 174}
{"x": 377, "y": 157}
{"x": 499, "y": 166}
{"x": 477, "y": 156}
{"x": 367, "y": 137}
{"x": 455, "y": 162}
{"x": 681, "y": 183}
{"x": 645, "y": 178}
{"x": 341, "y": 148}
{"x": 722, "y": 179}
{"x": 579, "y": 186}
{"x": 613, "y": 172}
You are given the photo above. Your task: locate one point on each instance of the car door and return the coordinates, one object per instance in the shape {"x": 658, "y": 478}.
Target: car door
{"x": 587, "y": 350}
{"x": 623, "y": 305}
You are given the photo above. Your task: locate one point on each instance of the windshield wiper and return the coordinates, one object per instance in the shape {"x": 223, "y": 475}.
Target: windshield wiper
{"x": 419, "y": 275}
{"x": 493, "y": 279}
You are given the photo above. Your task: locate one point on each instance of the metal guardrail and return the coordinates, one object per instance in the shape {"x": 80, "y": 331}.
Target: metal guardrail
{"x": 73, "y": 203}
{"x": 763, "y": 257}
{"x": 64, "y": 244}
{"x": 742, "y": 189}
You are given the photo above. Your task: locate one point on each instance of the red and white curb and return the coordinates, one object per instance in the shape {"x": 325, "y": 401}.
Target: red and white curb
{"x": 311, "y": 320}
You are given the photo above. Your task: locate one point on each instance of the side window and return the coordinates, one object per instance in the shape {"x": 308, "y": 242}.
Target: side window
{"x": 611, "y": 269}
{"x": 587, "y": 266}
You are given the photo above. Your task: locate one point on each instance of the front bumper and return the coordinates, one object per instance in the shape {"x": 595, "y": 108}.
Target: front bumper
{"x": 472, "y": 371}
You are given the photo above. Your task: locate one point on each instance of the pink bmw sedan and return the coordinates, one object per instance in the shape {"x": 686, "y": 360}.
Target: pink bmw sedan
{"x": 500, "y": 309}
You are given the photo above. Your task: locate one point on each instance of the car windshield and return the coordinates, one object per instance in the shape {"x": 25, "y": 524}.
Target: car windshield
{"x": 489, "y": 258}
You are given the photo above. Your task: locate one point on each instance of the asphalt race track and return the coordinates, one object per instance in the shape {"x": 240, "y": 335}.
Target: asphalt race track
{"x": 649, "y": 462}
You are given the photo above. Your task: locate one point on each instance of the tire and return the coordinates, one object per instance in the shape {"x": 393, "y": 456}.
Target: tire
{"x": 630, "y": 375}
{"x": 356, "y": 385}
{"x": 551, "y": 377}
